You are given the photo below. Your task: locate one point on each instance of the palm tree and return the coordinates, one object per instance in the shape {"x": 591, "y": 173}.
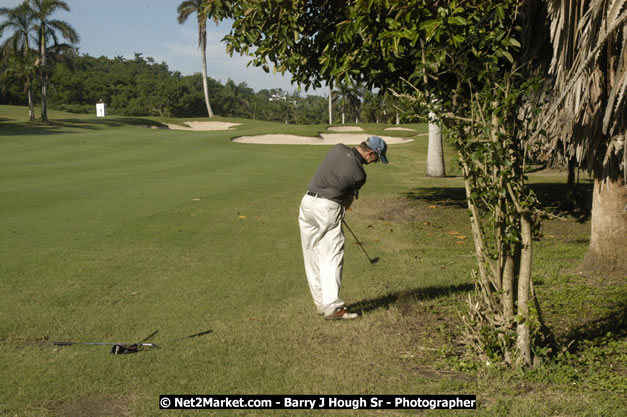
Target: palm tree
{"x": 349, "y": 96}
{"x": 234, "y": 97}
{"x": 24, "y": 68}
{"x": 49, "y": 29}
{"x": 587, "y": 115}
{"x": 185, "y": 9}
{"x": 17, "y": 47}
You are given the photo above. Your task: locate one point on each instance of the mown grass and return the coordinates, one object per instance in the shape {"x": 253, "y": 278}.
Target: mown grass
{"x": 110, "y": 230}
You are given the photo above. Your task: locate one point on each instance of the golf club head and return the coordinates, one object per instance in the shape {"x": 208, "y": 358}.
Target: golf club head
{"x": 119, "y": 349}
{"x": 374, "y": 260}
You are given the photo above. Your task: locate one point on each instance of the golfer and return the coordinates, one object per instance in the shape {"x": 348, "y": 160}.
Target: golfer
{"x": 331, "y": 191}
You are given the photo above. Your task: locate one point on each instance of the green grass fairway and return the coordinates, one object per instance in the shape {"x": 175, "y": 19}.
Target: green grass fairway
{"x": 110, "y": 230}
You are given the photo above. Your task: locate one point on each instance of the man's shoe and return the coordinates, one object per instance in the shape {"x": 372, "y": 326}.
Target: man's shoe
{"x": 340, "y": 313}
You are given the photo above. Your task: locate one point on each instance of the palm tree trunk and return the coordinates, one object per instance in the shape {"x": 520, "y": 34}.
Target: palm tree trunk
{"x": 44, "y": 76}
{"x": 435, "y": 155}
{"x": 31, "y": 107}
{"x": 204, "y": 75}
{"x": 330, "y": 102}
{"x": 44, "y": 98}
{"x": 608, "y": 235}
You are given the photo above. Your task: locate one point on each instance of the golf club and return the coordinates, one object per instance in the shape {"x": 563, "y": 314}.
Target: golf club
{"x": 124, "y": 348}
{"x": 118, "y": 348}
{"x": 372, "y": 261}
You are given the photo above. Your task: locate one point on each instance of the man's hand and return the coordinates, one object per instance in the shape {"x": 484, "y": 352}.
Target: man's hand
{"x": 348, "y": 201}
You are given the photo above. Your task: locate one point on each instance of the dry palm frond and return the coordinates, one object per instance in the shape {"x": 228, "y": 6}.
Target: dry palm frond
{"x": 586, "y": 115}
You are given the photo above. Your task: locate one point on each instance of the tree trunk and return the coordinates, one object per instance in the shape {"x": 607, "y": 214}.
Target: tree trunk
{"x": 204, "y": 76}
{"x": 31, "y": 107}
{"x": 330, "y": 102}
{"x": 571, "y": 193}
{"x": 44, "y": 98}
{"x": 44, "y": 76}
{"x": 523, "y": 341}
{"x": 608, "y": 235}
{"x": 507, "y": 297}
{"x": 476, "y": 235}
{"x": 435, "y": 155}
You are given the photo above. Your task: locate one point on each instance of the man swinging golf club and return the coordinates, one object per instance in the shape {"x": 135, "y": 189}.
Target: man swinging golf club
{"x": 331, "y": 191}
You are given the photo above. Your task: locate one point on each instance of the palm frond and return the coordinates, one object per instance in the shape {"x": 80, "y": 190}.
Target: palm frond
{"x": 585, "y": 117}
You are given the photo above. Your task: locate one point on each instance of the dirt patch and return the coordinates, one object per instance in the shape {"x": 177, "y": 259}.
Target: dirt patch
{"x": 95, "y": 407}
{"x": 399, "y": 210}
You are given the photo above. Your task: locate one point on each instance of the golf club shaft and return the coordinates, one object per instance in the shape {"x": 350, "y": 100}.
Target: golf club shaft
{"x": 357, "y": 240}
{"x": 192, "y": 335}
{"x": 149, "y": 336}
{"x": 103, "y": 344}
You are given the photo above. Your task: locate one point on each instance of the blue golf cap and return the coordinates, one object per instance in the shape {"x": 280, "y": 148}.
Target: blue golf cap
{"x": 379, "y": 146}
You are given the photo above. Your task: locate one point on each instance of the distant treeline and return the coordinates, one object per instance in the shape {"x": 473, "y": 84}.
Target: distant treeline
{"x": 143, "y": 87}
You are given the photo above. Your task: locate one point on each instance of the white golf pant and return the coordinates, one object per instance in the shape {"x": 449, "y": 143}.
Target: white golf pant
{"x": 322, "y": 239}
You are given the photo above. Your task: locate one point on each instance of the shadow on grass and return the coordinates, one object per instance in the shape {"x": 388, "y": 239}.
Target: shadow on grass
{"x": 59, "y": 126}
{"x": 418, "y": 294}
{"x": 613, "y": 326}
{"x": 455, "y": 197}
{"x": 560, "y": 200}
{"x": 555, "y": 198}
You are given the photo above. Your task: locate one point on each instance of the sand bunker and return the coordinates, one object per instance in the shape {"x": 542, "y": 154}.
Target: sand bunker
{"x": 400, "y": 128}
{"x": 281, "y": 139}
{"x": 323, "y": 139}
{"x": 203, "y": 126}
{"x": 346, "y": 129}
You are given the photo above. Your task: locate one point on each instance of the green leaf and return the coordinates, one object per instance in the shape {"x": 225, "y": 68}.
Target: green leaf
{"x": 508, "y": 56}
{"x": 514, "y": 42}
{"x": 500, "y": 12}
{"x": 457, "y": 20}
{"x": 429, "y": 25}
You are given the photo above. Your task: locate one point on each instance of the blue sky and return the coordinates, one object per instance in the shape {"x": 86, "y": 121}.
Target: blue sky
{"x": 123, "y": 27}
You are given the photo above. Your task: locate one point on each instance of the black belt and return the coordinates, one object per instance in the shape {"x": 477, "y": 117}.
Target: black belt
{"x": 321, "y": 196}
{"x": 316, "y": 195}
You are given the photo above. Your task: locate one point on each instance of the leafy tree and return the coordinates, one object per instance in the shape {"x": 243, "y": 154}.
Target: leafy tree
{"x": 48, "y": 30}
{"x": 290, "y": 36}
{"x": 464, "y": 65}
{"x": 313, "y": 110}
{"x": 184, "y": 10}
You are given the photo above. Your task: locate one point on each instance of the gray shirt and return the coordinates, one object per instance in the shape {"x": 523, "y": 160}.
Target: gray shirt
{"x": 340, "y": 175}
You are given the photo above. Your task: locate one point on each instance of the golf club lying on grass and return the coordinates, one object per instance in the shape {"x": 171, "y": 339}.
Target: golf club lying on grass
{"x": 118, "y": 348}
{"x": 124, "y": 348}
{"x": 372, "y": 261}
